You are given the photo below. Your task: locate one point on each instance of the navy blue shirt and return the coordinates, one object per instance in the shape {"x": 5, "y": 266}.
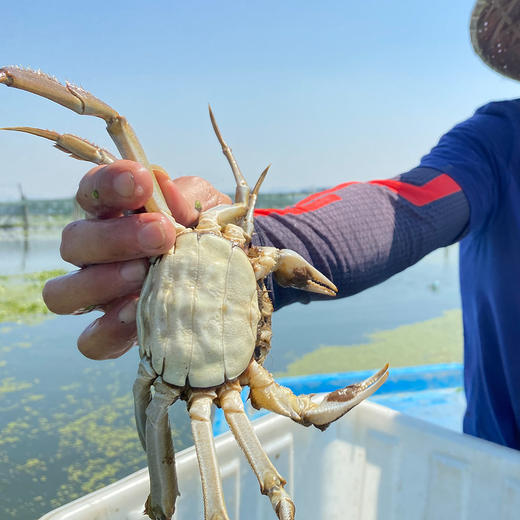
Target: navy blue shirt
{"x": 466, "y": 188}
{"x": 483, "y": 156}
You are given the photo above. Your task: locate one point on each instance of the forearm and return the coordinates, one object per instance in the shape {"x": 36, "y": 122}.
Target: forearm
{"x": 359, "y": 234}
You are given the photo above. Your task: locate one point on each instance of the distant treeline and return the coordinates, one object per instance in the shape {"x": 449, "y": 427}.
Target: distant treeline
{"x": 48, "y": 212}
{"x": 42, "y": 207}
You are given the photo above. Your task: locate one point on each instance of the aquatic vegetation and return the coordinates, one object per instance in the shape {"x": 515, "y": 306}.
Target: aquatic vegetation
{"x": 438, "y": 340}
{"x": 9, "y": 384}
{"x": 30, "y": 466}
{"x": 61, "y": 438}
{"x": 21, "y": 296}
{"x": 108, "y": 441}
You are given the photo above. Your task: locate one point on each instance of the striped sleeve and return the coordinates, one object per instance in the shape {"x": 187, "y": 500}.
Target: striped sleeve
{"x": 360, "y": 234}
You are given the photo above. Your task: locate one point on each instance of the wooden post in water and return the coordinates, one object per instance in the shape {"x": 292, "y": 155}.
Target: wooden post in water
{"x": 25, "y": 211}
{"x": 25, "y": 218}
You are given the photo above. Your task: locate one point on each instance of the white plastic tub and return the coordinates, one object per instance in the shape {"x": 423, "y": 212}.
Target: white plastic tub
{"x": 375, "y": 463}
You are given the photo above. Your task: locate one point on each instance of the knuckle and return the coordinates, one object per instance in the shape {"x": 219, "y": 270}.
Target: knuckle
{"x": 67, "y": 241}
{"x": 49, "y": 296}
{"x": 68, "y": 229}
{"x": 195, "y": 179}
{"x": 222, "y": 198}
{"x": 90, "y": 352}
{"x": 86, "y": 194}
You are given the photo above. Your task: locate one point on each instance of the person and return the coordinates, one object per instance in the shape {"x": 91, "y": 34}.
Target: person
{"x": 467, "y": 189}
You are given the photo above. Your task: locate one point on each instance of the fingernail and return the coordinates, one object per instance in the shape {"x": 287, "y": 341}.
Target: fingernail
{"x": 134, "y": 271}
{"x": 152, "y": 236}
{"x": 128, "y": 313}
{"x": 124, "y": 184}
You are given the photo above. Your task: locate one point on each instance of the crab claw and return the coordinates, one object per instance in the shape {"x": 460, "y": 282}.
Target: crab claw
{"x": 338, "y": 403}
{"x": 305, "y": 408}
{"x": 292, "y": 270}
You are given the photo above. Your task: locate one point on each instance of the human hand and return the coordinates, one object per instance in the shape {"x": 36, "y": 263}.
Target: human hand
{"x": 112, "y": 250}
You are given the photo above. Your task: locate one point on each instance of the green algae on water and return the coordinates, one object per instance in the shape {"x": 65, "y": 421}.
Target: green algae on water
{"x": 66, "y": 423}
{"x": 21, "y": 296}
{"x": 438, "y": 340}
{"x": 86, "y": 438}
{"x": 9, "y": 385}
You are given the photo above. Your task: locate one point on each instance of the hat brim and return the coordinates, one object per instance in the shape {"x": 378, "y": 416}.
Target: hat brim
{"x": 495, "y": 35}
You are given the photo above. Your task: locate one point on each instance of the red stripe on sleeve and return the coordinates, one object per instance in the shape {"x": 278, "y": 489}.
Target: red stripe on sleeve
{"x": 300, "y": 207}
{"x": 436, "y": 189}
{"x": 310, "y": 203}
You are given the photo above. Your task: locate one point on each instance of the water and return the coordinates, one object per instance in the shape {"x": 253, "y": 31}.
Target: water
{"x": 66, "y": 423}
{"x": 37, "y": 253}
{"x": 422, "y": 292}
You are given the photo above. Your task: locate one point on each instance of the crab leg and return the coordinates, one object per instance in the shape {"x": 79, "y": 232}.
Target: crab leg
{"x": 243, "y": 190}
{"x": 160, "y": 505}
{"x": 84, "y": 103}
{"x": 271, "y": 483}
{"x": 77, "y": 147}
{"x": 267, "y": 393}
{"x": 249, "y": 219}
{"x": 199, "y": 408}
{"x": 142, "y": 396}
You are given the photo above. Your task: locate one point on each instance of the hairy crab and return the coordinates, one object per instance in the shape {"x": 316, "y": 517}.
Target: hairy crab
{"x": 204, "y": 321}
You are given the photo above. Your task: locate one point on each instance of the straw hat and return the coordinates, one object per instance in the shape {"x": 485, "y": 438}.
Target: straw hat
{"x": 495, "y": 35}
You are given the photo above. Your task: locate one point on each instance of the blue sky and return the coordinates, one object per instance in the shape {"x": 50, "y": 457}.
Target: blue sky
{"x": 326, "y": 91}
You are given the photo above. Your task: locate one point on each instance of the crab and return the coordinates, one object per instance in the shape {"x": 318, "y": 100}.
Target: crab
{"x": 204, "y": 321}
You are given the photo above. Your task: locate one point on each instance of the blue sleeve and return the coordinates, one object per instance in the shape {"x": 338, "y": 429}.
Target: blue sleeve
{"x": 479, "y": 155}
{"x": 360, "y": 234}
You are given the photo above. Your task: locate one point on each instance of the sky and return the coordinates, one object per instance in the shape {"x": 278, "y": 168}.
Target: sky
{"x": 326, "y": 92}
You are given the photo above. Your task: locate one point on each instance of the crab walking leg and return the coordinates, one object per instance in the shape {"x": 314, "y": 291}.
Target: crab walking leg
{"x": 271, "y": 483}
{"x": 243, "y": 193}
{"x": 160, "y": 505}
{"x": 242, "y": 190}
{"x": 199, "y": 408}
{"x": 84, "y": 103}
{"x": 77, "y": 147}
{"x": 142, "y": 396}
{"x": 267, "y": 393}
{"x": 249, "y": 225}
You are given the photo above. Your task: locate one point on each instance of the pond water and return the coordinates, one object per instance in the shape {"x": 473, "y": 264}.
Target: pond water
{"x": 31, "y": 254}
{"x": 66, "y": 423}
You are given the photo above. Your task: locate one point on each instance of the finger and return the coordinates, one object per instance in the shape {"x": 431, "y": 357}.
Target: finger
{"x": 182, "y": 211}
{"x": 107, "y": 190}
{"x": 114, "y": 333}
{"x": 200, "y": 193}
{"x": 188, "y": 196}
{"x": 113, "y": 240}
{"x": 93, "y": 286}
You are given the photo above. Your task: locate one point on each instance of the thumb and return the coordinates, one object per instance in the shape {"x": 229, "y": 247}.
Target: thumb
{"x": 183, "y": 210}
